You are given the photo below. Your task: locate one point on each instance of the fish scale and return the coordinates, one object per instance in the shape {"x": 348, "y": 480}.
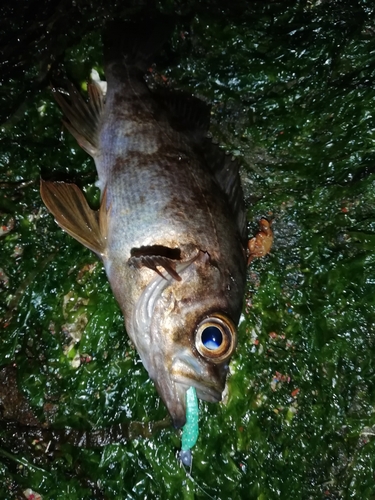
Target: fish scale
{"x": 148, "y": 192}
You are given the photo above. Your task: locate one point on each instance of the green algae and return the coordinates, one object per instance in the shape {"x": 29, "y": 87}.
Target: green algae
{"x": 292, "y": 87}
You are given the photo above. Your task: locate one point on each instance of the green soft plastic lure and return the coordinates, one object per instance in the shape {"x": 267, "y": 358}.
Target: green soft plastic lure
{"x": 190, "y": 431}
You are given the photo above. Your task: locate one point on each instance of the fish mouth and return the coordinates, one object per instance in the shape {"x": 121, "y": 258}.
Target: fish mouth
{"x": 186, "y": 371}
{"x": 204, "y": 392}
{"x": 177, "y": 405}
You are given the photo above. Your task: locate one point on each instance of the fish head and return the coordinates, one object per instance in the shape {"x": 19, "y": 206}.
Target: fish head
{"x": 185, "y": 332}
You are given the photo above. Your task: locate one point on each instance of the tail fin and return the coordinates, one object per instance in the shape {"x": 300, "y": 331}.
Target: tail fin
{"x": 135, "y": 42}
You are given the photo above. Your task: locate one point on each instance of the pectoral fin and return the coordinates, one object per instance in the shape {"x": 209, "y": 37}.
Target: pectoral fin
{"x": 169, "y": 259}
{"x": 72, "y": 213}
{"x": 152, "y": 261}
{"x": 157, "y": 256}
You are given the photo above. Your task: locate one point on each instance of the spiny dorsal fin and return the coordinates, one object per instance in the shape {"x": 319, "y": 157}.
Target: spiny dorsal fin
{"x": 83, "y": 117}
{"x": 226, "y": 172}
{"x": 68, "y": 205}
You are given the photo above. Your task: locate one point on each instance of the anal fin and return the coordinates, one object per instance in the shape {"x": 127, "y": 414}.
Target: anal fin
{"x": 82, "y": 118}
{"x": 68, "y": 205}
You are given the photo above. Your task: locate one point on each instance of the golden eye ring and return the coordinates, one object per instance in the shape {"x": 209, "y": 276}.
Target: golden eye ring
{"x": 216, "y": 338}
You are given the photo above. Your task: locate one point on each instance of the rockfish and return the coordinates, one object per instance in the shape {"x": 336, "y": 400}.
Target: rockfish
{"x": 171, "y": 228}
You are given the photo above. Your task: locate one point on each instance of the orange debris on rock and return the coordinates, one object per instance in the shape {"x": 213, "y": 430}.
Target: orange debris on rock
{"x": 261, "y": 244}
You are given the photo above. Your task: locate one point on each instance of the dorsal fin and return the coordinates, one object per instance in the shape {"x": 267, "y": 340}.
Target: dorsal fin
{"x": 72, "y": 213}
{"x": 83, "y": 117}
{"x": 226, "y": 172}
{"x": 190, "y": 116}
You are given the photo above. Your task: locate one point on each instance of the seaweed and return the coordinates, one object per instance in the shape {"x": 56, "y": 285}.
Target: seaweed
{"x": 292, "y": 92}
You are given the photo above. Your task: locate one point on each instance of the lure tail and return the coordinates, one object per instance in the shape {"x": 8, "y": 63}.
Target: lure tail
{"x": 191, "y": 430}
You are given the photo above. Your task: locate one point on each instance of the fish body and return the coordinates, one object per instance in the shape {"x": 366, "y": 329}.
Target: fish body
{"x": 171, "y": 226}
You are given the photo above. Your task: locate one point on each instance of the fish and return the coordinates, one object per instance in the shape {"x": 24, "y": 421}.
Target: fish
{"x": 171, "y": 226}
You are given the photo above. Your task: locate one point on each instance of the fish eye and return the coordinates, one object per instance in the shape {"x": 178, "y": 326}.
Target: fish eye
{"x": 212, "y": 338}
{"x": 216, "y": 338}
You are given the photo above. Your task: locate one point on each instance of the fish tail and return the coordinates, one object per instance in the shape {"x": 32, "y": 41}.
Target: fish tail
{"x": 135, "y": 42}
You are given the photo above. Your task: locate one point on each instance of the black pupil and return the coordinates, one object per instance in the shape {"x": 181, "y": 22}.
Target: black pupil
{"x": 212, "y": 338}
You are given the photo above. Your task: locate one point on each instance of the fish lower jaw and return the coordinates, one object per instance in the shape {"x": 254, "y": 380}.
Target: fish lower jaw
{"x": 204, "y": 392}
